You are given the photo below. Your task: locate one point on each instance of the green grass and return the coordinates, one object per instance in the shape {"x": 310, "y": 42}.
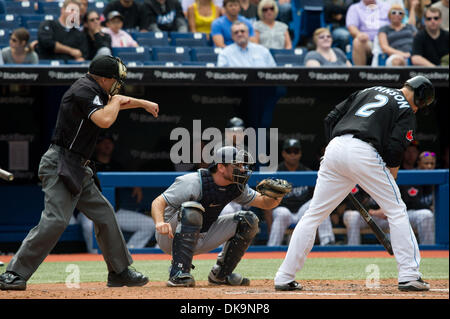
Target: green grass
{"x": 315, "y": 268}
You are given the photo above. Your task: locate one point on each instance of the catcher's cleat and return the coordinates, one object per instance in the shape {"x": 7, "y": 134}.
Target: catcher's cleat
{"x": 181, "y": 280}
{"x": 12, "y": 281}
{"x": 129, "y": 277}
{"x": 414, "y": 285}
{"x": 293, "y": 285}
{"x": 230, "y": 280}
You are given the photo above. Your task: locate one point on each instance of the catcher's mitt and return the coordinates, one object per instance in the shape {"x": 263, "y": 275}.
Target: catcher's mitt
{"x": 274, "y": 188}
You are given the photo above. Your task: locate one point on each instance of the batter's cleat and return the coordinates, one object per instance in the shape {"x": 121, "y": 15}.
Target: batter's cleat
{"x": 293, "y": 285}
{"x": 12, "y": 281}
{"x": 414, "y": 285}
{"x": 230, "y": 280}
{"x": 129, "y": 277}
{"x": 181, "y": 280}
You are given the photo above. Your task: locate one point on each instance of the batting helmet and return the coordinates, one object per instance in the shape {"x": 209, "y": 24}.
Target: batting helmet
{"x": 109, "y": 67}
{"x": 241, "y": 160}
{"x": 423, "y": 91}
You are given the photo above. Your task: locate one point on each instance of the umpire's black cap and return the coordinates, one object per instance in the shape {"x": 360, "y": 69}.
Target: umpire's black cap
{"x": 108, "y": 66}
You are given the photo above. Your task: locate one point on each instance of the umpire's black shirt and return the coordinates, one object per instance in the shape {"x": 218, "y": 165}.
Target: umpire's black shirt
{"x": 74, "y": 129}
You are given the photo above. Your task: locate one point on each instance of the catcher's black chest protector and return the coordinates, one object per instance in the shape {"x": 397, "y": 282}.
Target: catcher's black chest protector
{"x": 214, "y": 198}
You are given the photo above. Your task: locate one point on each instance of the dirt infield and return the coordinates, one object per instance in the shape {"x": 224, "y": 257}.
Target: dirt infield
{"x": 259, "y": 289}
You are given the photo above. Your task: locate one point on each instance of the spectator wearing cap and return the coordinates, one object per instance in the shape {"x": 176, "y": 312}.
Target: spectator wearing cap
{"x": 166, "y": 15}
{"x": 99, "y": 43}
{"x": 119, "y": 38}
{"x": 135, "y": 15}
{"x": 19, "y": 50}
{"x": 61, "y": 39}
{"x": 294, "y": 205}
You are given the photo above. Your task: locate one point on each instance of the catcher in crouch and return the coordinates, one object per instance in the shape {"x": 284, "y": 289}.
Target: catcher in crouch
{"x": 187, "y": 218}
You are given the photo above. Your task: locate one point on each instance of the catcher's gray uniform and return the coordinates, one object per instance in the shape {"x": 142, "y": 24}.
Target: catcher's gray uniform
{"x": 189, "y": 188}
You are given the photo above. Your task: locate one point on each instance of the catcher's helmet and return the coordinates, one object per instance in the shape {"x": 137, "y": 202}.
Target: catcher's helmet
{"x": 423, "y": 91}
{"x": 109, "y": 67}
{"x": 241, "y": 160}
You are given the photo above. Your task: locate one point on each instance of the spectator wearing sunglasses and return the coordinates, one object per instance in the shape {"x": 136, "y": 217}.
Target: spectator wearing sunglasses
{"x": 99, "y": 43}
{"x": 396, "y": 39}
{"x": 430, "y": 46}
{"x": 294, "y": 204}
{"x": 419, "y": 202}
{"x": 325, "y": 54}
{"x": 271, "y": 33}
{"x": 19, "y": 50}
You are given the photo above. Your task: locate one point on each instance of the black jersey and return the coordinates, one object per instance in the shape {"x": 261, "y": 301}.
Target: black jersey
{"x": 380, "y": 116}
{"x": 74, "y": 130}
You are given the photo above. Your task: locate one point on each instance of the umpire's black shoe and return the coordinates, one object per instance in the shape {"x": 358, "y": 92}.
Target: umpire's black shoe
{"x": 293, "y": 285}
{"x": 12, "y": 281}
{"x": 181, "y": 280}
{"x": 129, "y": 277}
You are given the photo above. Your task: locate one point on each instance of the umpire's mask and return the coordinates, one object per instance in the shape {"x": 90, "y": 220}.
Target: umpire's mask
{"x": 241, "y": 162}
{"x": 109, "y": 67}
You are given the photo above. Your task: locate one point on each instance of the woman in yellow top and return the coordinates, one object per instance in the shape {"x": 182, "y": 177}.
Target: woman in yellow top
{"x": 201, "y": 14}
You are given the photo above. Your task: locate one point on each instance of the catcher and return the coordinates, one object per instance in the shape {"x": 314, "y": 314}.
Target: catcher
{"x": 187, "y": 218}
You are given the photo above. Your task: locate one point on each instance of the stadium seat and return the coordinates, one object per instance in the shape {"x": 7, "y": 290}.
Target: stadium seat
{"x": 9, "y": 21}
{"x": 97, "y": 6}
{"x": 141, "y": 54}
{"x": 23, "y": 7}
{"x": 74, "y": 62}
{"x": 53, "y": 8}
{"x": 307, "y": 16}
{"x": 188, "y": 39}
{"x": 33, "y": 34}
{"x": 152, "y": 42}
{"x": 4, "y": 38}
{"x": 32, "y": 21}
{"x": 134, "y": 63}
{"x": 205, "y": 54}
{"x": 161, "y": 63}
{"x": 52, "y": 62}
{"x": 171, "y": 54}
{"x": 197, "y": 63}
{"x": 284, "y": 57}
{"x": 149, "y": 35}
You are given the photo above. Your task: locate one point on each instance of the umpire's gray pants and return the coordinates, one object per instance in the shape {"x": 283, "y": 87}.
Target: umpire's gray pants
{"x": 59, "y": 207}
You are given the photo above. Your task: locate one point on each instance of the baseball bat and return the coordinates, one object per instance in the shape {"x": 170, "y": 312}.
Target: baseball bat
{"x": 7, "y": 176}
{"x": 381, "y": 236}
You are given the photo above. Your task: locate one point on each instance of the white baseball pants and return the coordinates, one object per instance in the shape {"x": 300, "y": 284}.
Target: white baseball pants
{"x": 349, "y": 161}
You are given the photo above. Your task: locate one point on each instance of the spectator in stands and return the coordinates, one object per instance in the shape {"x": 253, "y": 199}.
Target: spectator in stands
{"x": 201, "y": 14}
{"x": 99, "y": 43}
{"x": 443, "y": 6}
{"x": 185, "y": 4}
{"x": 119, "y": 38}
{"x": 140, "y": 224}
{"x": 83, "y": 9}
{"x": 363, "y": 21}
{"x": 396, "y": 39}
{"x": 135, "y": 15}
{"x": 325, "y": 54}
{"x": 268, "y": 32}
{"x": 430, "y": 45}
{"x": 353, "y": 220}
{"x": 414, "y": 11}
{"x": 248, "y": 10}
{"x": 410, "y": 156}
{"x": 221, "y": 27}
{"x": 243, "y": 53}
{"x": 285, "y": 11}
{"x": 166, "y": 15}
{"x": 61, "y": 39}
{"x": 335, "y": 12}
{"x": 19, "y": 50}
{"x": 294, "y": 205}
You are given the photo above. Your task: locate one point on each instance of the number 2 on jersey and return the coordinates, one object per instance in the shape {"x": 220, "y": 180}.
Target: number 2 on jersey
{"x": 365, "y": 110}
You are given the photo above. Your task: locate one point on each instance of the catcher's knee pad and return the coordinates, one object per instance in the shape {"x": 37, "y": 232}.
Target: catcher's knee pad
{"x": 234, "y": 249}
{"x": 247, "y": 227}
{"x": 186, "y": 237}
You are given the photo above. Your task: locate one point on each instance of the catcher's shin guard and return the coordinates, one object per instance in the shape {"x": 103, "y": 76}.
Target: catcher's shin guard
{"x": 235, "y": 248}
{"x": 186, "y": 237}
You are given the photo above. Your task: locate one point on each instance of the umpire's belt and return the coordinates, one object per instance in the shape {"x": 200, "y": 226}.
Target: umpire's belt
{"x": 74, "y": 156}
